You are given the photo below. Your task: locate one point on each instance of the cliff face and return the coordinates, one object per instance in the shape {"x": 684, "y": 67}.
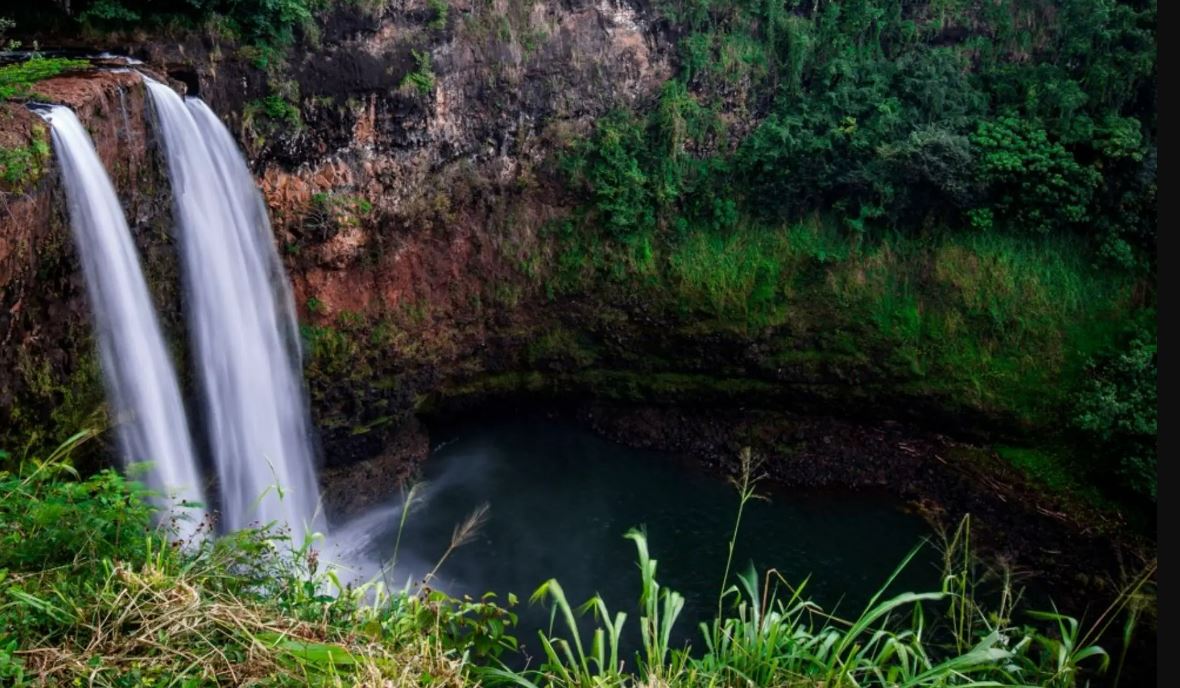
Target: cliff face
{"x": 403, "y": 155}
{"x": 442, "y": 162}
{"x": 408, "y": 160}
{"x": 49, "y": 379}
{"x": 426, "y": 185}
{"x": 391, "y": 193}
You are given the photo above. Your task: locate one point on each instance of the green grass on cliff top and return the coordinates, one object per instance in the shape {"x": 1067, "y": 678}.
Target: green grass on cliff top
{"x": 990, "y": 321}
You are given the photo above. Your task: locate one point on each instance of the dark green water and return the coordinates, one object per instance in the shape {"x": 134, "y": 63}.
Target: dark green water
{"x": 561, "y": 499}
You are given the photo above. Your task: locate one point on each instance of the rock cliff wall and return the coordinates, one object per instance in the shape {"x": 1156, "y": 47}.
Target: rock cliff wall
{"x": 50, "y": 384}
{"x": 404, "y": 159}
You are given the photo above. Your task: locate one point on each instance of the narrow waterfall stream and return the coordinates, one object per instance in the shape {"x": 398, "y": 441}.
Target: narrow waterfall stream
{"x": 241, "y": 322}
{"x": 141, "y": 383}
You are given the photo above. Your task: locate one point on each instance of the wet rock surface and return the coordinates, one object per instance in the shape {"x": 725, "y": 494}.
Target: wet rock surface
{"x": 347, "y": 491}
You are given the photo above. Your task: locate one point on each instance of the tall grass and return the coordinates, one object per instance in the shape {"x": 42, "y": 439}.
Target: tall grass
{"x": 733, "y": 277}
{"x": 773, "y": 639}
{"x": 771, "y": 634}
{"x": 746, "y": 485}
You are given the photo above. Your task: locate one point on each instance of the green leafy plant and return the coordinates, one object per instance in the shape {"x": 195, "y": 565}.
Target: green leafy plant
{"x": 422, "y": 78}
{"x": 1040, "y": 184}
{"x": 1116, "y": 411}
{"x": 608, "y": 166}
{"x": 440, "y": 9}
{"x": 21, "y": 166}
{"x": 275, "y": 114}
{"x": 108, "y": 14}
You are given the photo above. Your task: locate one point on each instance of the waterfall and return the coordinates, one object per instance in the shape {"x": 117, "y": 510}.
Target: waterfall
{"x": 140, "y": 381}
{"x": 241, "y": 321}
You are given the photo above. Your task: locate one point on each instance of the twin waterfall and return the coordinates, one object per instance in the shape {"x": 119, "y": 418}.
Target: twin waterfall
{"x": 240, "y": 318}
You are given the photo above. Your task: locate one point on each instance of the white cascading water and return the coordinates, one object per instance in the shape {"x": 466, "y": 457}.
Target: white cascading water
{"x": 242, "y": 324}
{"x": 140, "y": 380}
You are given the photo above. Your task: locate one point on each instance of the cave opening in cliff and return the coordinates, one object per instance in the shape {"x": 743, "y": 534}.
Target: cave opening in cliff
{"x": 188, "y": 76}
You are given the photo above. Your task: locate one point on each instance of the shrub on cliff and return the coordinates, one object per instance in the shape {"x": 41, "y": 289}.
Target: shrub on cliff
{"x": 22, "y": 165}
{"x": 264, "y": 24}
{"x": 1116, "y": 412}
{"x": 607, "y": 166}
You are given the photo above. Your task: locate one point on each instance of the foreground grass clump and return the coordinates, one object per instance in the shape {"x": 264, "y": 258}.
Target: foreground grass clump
{"x": 91, "y": 593}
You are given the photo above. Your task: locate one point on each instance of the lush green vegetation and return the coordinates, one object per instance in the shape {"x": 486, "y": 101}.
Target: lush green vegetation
{"x": 23, "y": 165}
{"x": 265, "y": 25}
{"x": 963, "y": 190}
{"x": 91, "y": 592}
{"x": 422, "y": 78}
{"x": 17, "y": 79}
{"x": 1117, "y": 408}
{"x": 1029, "y": 117}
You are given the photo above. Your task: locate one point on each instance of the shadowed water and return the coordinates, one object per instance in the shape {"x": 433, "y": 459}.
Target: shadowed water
{"x": 561, "y": 499}
{"x": 241, "y": 322}
{"x": 141, "y": 383}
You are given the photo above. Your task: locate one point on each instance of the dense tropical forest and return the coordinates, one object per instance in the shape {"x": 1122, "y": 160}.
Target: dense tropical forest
{"x": 1006, "y": 148}
{"x": 935, "y": 211}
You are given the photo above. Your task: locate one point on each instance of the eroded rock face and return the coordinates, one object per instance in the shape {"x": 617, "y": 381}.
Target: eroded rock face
{"x": 405, "y": 209}
{"x": 49, "y": 379}
{"x": 405, "y": 206}
{"x": 434, "y": 165}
